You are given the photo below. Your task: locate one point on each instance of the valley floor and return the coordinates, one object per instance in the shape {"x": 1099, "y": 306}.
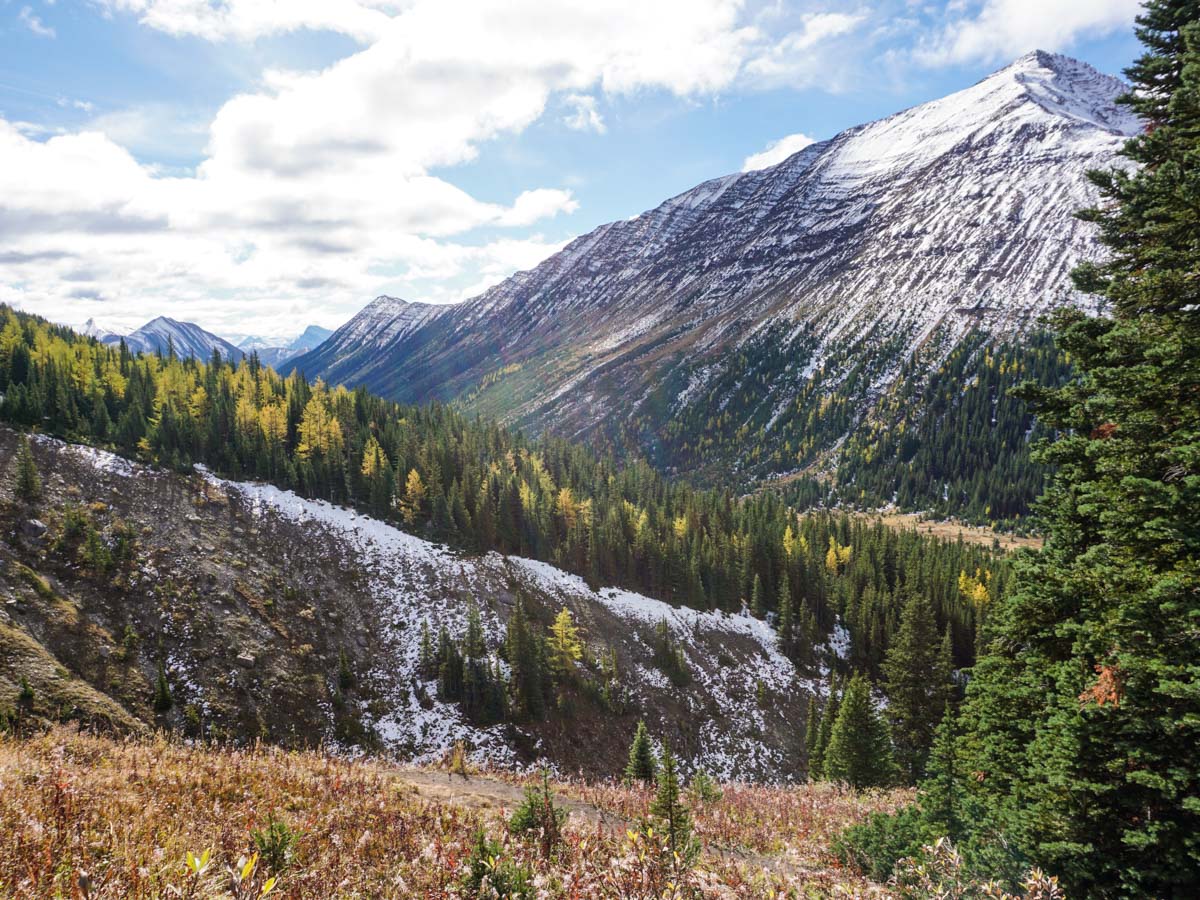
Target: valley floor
{"x": 90, "y": 817}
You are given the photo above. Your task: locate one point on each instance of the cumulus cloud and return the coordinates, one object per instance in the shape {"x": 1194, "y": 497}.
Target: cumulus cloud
{"x": 999, "y": 30}
{"x": 777, "y": 152}
{"x": 321, "y": 188}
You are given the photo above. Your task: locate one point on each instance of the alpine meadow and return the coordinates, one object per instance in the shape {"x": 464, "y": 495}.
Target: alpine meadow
{"x": 830, "y": 528}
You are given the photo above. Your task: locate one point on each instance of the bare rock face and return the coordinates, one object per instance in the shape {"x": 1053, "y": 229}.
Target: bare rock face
{"x": 945, "y": 219}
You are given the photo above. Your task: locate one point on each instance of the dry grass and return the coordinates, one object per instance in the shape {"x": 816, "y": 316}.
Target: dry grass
{"x": 88, "y": 817}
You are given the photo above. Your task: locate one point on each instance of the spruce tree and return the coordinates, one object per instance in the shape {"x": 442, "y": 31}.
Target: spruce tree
{"x": 1083, "y": 716}
{"x": 918, "y": 685}
{"x": 671, "y": 816}
{"x": 812, "y": 731}
{"x": 642, "y": 764}
{"x": 860, "y": 750}
{"x": 27, "y": 485}
{"x": 816, "y": 766}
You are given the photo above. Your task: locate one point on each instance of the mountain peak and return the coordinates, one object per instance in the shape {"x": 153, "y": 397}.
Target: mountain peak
{"x": 1068, "y": 87}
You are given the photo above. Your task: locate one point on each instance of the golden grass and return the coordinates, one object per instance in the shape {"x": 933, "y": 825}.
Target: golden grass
{"x": 89, "y": 817}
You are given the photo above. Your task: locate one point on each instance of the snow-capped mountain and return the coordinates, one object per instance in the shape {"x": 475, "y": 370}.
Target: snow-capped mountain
{"x": 187, "y": 338}
{"x": 904, "y": 234}
{"x": 102, "y": 333}
{"x": 274, "y": 353}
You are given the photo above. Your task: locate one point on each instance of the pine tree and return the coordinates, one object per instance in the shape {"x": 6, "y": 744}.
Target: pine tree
{"x": 1083, "y": 716}
{"x": 787, "y": 617}
{"x": 918, "y": 685}
{"x": 643, "y": 766}
{"x": 671, "y": 816}
{"x": 525, "y": 661}
{"x": 27, "y": 484}
{"x": 860, "y": 751}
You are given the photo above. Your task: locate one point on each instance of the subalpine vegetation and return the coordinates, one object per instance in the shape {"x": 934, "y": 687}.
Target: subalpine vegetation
{"x": 1077, "y": 746}
{"x": 448, "y": 477}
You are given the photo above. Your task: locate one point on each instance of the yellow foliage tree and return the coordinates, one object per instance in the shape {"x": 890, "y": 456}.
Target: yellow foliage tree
{"x": 414, "y": 497}
{"x": 565, "y": 646}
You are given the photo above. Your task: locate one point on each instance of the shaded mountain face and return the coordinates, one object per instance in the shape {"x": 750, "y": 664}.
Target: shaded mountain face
{"x": 188, "y": 339}
{"x": 739, "y": 307}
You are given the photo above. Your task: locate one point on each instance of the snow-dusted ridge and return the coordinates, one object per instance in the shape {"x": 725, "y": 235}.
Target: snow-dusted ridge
{"x": 413, "y": 580}
{"x": 950, "y": 217}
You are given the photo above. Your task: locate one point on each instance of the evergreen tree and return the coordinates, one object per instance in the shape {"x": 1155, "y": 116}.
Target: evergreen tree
{"x": 812, "y": 731}
{"x": 816, "y": 766}
{"x": 27, "y": 485}
{"x": 860, "y": 750}
{"x": 527, "y": 678}
{"x": 918, "y": 685}
{"x": 941, "y": 791}
{"x": 643, "y": 766}
{"x": 1083, "y": 716}
{"x": 671, "y": 816}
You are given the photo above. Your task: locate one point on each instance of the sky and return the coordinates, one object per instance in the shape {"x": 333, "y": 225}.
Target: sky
{"x": 256, "y": 166}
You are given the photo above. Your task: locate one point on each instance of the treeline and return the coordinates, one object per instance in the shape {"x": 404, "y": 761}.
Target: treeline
{"x": 474, "y": 484}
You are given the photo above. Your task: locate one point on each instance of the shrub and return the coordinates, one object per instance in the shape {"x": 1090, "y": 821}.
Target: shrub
{"x": 276, "y": 844}
{"x": 878, "y": 844}
{"x": 489, "y": 874}
{"x": 704, "y": 788}
{"x": 537, "y": 813}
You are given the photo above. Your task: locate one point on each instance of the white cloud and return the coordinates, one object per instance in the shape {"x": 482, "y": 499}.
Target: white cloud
{"x": 796, "y": 59}
{"x": 776, "y": 152}
{"x": 246, "y": 20}
{"x": 1000, "y": 30}
{"x": 34, "y": 24}
{"x": 317, "y": 190}
{"x": 585, "y": 116}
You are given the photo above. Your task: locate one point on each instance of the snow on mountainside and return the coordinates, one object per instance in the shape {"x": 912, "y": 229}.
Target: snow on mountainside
{"x": 407, "y": 576}
{"x": 250, "y": 598}
{"x": 187, "y": 338}
{"x": 947, "y": 218}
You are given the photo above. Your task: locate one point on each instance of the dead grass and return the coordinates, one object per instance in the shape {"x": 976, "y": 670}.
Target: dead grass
{"x": 89, "y": 817}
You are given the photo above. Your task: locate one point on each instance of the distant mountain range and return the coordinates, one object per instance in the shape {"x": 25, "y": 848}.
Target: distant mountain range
{"x": 747, "y": 312}
{"x": 188, "y": 339}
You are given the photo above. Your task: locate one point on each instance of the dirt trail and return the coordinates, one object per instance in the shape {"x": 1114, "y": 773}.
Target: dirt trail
{"x": 486, "y": 794}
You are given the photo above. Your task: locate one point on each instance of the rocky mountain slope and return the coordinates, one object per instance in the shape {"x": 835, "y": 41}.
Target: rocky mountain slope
{"x": 748, "y": 300}
{"x": 237, "y": 609}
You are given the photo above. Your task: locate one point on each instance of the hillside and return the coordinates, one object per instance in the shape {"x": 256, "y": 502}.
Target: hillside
{"x": 268, "y": 615}
{"x": 778, "y": 307}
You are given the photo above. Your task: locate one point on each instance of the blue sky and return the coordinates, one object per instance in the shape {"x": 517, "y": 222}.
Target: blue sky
{"x": 258, "y": 166}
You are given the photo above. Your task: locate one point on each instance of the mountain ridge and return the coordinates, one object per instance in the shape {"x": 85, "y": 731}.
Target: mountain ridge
{"x": 892, "y": 240}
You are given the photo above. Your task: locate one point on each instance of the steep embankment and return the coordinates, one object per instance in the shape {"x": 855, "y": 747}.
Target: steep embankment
{"x": 242, "y": 610}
